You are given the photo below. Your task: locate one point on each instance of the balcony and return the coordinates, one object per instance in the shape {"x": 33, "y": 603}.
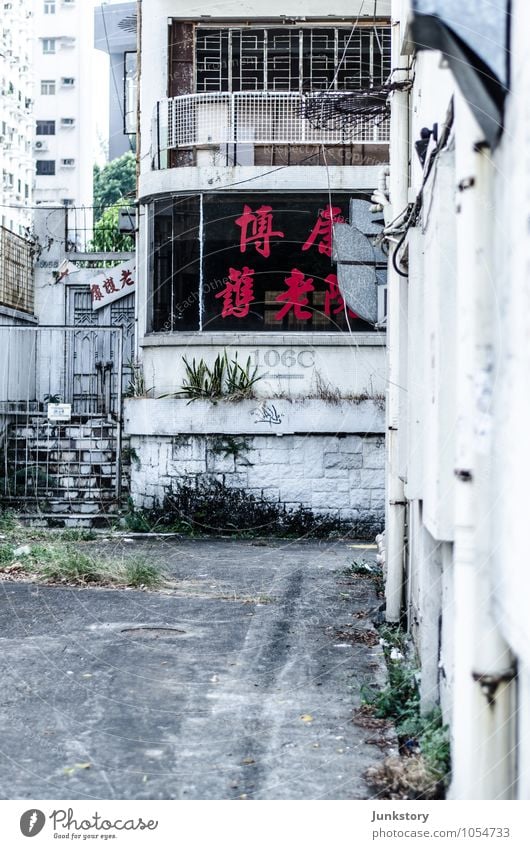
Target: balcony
{"x": 233, "y": 126}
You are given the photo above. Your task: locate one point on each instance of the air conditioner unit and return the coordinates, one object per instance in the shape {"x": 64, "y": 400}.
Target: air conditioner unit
{"x": 67, "y": 122}
{"x": 40, "y": 145}
{"x": 67, "y": 163}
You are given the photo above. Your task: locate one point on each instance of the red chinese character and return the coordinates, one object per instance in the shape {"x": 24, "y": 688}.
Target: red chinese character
{"x": 323, "y": 230}
{"x": 297, "y": 286}
{"x": 334, "y": 297}
{"x": 256, "y": 229}
{"x": 95, "y": 291}
{"x": 238, "y": 293}
{"x": 109, "y": 286}
{"x": 126, "y": 278}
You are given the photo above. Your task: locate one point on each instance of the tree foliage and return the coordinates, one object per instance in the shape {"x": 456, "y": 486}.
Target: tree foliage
{"x": 113, "y": 182}
{"x": 106, "y": 234}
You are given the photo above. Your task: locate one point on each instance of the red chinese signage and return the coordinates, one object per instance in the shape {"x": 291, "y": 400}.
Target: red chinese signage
{"x": 112, "y": 284}
{"x": 259, "y": 233}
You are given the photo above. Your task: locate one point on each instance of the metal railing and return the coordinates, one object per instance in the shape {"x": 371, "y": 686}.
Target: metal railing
{"x": 255, "y": 117}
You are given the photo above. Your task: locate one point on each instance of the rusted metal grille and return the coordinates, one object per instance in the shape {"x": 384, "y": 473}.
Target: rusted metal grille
{"x": 16, "y": 272}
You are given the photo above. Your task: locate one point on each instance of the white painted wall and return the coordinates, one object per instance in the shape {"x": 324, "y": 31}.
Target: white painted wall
{"x": 294, "y": 365}
{"x": 70, "y": 21}
{"x": 16, "y": 124}
{"x": 465, "y": 459}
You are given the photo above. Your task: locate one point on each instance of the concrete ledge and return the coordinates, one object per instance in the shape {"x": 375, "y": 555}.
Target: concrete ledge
{"x": 241, "y": 339}
{"x": 275, "y": 416}
{"x": 236, "y": 179}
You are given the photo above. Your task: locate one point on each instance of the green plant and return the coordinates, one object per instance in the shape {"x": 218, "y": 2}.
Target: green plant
{"x": 113, "y": 182}
{"x": 140, "y": 573}
{"x": 77, "y": 535}
{"x": 136, "y": 387}
{"x": 399, "y": 702}
{"x": 65, "y": 563}
{"x": 6, "y": 554}
{"x": 129, "y": 456}
{"x": 52, "y": 399}
{"x": 107, "y": 236}
{"x": 240, "y": 379}
{"x": 225, "y": 379}
{"x": 229, "y": 446}
{"x": 8, "y": 522}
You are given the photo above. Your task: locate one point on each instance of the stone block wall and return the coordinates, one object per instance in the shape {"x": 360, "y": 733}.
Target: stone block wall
{"x": 341, "y": 477}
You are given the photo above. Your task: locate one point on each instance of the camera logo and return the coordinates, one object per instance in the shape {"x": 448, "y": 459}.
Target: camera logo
{"x": 32, "y": 822}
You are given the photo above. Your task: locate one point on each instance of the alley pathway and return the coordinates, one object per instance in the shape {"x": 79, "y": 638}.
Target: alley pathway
{"x": 239, "y": 683}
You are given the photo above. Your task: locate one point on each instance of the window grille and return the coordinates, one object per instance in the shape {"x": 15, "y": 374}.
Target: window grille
{"x": 292, "y": 59}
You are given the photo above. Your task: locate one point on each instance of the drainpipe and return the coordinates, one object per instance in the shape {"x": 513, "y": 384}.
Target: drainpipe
{"x": 395, "y": 498}
{"x": 483, "y": 728}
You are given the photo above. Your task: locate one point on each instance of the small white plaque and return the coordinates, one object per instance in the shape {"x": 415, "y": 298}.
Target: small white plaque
{"x": 59, "y": 412}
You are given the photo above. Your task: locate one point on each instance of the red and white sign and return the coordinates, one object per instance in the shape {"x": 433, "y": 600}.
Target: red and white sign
{"x": 111, "y": 284}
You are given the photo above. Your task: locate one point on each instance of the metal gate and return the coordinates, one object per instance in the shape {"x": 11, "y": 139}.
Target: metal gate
{"x": 69, "y": 468}
{"x": 118, "y": 314}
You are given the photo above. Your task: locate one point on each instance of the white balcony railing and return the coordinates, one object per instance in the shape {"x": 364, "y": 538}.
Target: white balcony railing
{"x": 256, "y": 117}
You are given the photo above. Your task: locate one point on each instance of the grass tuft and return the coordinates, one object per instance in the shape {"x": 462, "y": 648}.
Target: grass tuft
{"x": 141, "y": 573}
{"x": 64, "y": 563}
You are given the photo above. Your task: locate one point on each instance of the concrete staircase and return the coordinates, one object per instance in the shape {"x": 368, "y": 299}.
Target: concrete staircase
{"x": 62, "y": 474}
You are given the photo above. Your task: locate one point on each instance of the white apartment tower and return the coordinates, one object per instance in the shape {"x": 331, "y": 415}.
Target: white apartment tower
{"x": 63, "y": 104}
{"x": 16, "y": 126}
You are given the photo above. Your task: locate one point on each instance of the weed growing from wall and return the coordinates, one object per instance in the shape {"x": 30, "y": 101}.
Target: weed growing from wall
{"x": 209, "y": 507}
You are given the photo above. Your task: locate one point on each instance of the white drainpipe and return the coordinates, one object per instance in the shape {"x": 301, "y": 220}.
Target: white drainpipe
{"x": 395, "y": 499}
{"x": 483, "y": 710}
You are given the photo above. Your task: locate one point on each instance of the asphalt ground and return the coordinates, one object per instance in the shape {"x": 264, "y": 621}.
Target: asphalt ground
{"x": 238, "y": 682}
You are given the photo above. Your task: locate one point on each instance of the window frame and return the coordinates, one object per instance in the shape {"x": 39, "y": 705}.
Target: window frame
{"x": 45, "y": 173}
{"x": 50, "y": 7}
{"x": 48, "y": 84}
{"x": 181, "y": 282}
{"x": 52, "y": 43}
{"x": 45, "y": 127}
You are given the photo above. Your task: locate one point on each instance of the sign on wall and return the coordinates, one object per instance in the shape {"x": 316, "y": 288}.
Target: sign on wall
{"x": 59, "y": 412}
{"x": 111, "y": 284}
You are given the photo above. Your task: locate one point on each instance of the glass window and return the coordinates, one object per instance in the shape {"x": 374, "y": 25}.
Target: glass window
{"x": 265, "y": 264}
{"x": 47, "y": 87}
{"x": 130, "y": 83}
{"x": 45, "y": 128}
{"x": 45, "y": 167}
{"x": 49, "y": 7}
{"x": 48, "y": 45}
